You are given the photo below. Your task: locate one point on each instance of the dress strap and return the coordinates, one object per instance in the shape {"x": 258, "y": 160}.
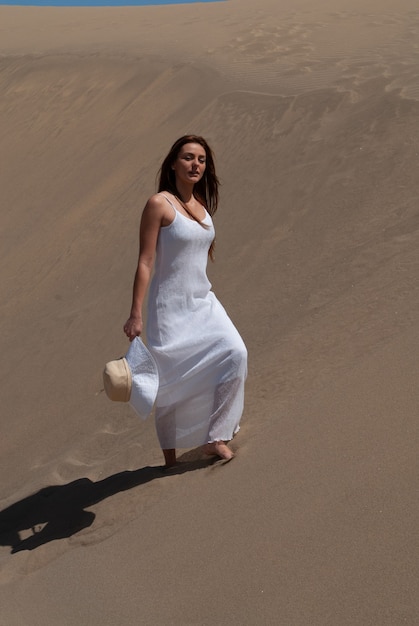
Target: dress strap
{"x": 170, "y": 202}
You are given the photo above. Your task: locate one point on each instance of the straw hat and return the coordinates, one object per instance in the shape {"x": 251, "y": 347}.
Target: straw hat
{"x": 133, "y": 378}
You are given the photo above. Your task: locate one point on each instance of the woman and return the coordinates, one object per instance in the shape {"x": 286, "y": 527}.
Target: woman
{"x": 201, "y": 358}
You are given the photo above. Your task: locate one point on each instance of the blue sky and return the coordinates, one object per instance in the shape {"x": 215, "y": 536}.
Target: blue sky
{"x": 101, "y": 3}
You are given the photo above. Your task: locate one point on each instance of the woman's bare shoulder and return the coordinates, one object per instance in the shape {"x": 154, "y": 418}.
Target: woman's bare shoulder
{"x": 157, "y": 208}
{"x": 156, "y": 200}
{"x": 156, "y": 203}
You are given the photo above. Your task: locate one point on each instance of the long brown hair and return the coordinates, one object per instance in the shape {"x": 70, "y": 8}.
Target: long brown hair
{"x": 205, "y": 190}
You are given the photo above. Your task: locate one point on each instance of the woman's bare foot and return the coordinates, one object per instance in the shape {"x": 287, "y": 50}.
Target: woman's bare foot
{"x": 219, "y": 448}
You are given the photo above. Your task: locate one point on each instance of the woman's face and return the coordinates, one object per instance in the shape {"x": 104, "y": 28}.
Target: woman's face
{"x": 190, "y": 163}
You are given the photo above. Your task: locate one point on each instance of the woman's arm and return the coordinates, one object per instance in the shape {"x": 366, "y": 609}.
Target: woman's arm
{"x": 157, "y": 213}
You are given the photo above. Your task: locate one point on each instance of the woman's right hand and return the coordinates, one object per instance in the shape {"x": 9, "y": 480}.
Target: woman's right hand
{"x": 133, "y": 327}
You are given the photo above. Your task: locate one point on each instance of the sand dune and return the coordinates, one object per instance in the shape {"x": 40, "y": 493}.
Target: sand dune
{"x": 313, "y": 115}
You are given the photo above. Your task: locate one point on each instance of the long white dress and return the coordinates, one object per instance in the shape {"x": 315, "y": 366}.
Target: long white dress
{"x": 201, "y": 358}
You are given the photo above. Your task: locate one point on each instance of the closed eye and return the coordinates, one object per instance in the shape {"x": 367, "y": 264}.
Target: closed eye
{"x": 190, "y": 157}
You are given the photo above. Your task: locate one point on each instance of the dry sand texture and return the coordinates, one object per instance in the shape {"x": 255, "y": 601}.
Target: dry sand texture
{"x": 313, "y": 111}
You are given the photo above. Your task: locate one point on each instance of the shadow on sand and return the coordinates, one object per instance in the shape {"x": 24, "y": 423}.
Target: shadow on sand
{"x": 58, "y": 511}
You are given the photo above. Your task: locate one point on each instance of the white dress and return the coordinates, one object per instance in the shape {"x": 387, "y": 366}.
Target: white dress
{"x": 201, "y": 358}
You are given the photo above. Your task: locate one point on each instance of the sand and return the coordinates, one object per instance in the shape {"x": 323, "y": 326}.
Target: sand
{"x": 312, "y": 109}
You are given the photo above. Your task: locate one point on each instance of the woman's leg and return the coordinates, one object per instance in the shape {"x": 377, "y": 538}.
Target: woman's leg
{"x": 170, "y": 457}
{"x": 228, "y": 406}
